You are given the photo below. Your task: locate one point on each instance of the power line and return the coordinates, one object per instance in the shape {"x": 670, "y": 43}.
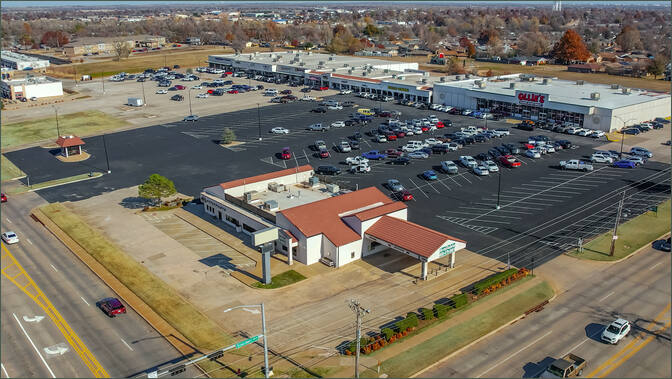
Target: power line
{"x": 359, "y": 311}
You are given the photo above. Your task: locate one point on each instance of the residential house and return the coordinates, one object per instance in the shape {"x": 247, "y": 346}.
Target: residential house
{"x": 586, "y": 68}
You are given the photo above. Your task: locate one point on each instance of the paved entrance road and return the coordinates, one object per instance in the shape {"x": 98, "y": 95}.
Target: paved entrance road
{"x": 125, "y": 345}
{"x": 637, "y": 289}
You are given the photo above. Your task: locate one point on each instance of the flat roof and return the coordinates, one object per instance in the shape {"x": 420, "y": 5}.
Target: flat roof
{"x": 295, "y": 196}
{"x": 561, "y": 91}
{"x": 16, "y": 57}
{"x": 267, "y": 176}
{"x": 31, "y": 80}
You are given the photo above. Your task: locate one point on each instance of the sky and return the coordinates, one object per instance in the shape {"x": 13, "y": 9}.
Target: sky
{"x": 14, "y": 4}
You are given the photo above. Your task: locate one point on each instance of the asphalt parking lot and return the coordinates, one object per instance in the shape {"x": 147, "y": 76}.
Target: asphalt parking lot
{"x": 543, "y": 210}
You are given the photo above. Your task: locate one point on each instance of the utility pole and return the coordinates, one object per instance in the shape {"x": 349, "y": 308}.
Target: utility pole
{"x": 58, "y": 132}
{"x": 614, "y": 237}
{"x": 189, "y": 94}
{"x": 102, "y": 79}
{"x": 499, "y": 186}
{"x": 107, "y": 158}
{"x": 259, "y": 120}
{"x": 144, "y": 99}
{"x": 359, "y": 311}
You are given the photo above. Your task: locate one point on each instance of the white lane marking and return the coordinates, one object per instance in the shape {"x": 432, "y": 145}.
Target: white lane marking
{"x": 8, "y": 220}
{"x": 29, "y": 241}
{"x": 512, "y": 355}
{"x": 582, "y": 342}
{"x": 34, "y": 347}
{"x": 3, "y": 370}
{"x": 84, "y": 300}
{"x": 122, "y": 340}
{"x": 52, "y": 266}
{"x": 606, "y": 296}
{"x": 654, "y": 266}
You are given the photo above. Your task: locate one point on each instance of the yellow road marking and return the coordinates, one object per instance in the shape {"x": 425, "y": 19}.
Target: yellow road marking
{"x": 629, "y": 346}
{"x": 41, "y": 299}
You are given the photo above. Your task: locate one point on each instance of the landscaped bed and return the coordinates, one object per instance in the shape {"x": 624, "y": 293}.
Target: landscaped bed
{"x": 281, "y": 280}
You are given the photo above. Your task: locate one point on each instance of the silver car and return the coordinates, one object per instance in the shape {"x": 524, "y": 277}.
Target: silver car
{"x": 394, "y": 185}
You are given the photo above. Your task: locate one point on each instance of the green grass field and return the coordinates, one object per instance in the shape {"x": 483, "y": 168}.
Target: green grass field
{"x": 79, "y": 124}
{"x": 416, "y": 358}
{"x": 9, "y": 170}
{"x": 632, "y": 235}
{"x": 54, "y": 182}
{"x": 281, "y": 280}
{"x": 162, "y": 298}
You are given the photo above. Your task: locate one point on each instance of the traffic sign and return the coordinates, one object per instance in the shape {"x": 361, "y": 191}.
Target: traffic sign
{"x": 247, "y": 342}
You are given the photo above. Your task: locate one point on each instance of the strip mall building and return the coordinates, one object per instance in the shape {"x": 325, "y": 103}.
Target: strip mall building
{"x": 318, "y": 223}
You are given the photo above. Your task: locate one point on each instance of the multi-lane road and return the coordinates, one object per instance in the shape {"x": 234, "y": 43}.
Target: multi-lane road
{"x": 32, "y": 343}
{"x": 637, "y": 289}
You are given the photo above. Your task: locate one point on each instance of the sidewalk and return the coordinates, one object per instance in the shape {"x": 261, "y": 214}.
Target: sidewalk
{"x": 400, "y": 347}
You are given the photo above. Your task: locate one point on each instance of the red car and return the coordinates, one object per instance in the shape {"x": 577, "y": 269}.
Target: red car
{"x": 509, "y": 161}
{"x": 439, "y": 125}
{"x": 401, "y": 134}
{"x": 286, "y": 154}
{"x": 234, "y": 91}
{"x": 180, "y": 87}
{"x": 324, "y": 88}
{"x": 424, "y": 128}
{"x": 111, "y": 306}
{"x": 528, "y": 146}
{"x": 229, "y": 73}
{"x": 324, "y": 153}
{"x": 391, "y": 137}
{"x": 392, "y": 153}
{"x": 403, "y": 195}
{"x": 211, "y": 91}
{"x": 3, "y": 198}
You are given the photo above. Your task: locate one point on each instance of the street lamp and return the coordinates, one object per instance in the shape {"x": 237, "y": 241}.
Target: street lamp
{"x": 259, "y": 120}
{"x": 499, "y": 186}
{"x": 263, "y": 332}
{"x": 58, "y": 132}
{"x": 107, "y": 158}
{"x": 622, "y": 131}
{"x": 189, "y": 94}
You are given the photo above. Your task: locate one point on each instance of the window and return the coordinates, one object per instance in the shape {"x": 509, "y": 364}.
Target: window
{"x": 232, "y": 220}
{"x": 248, "y": 228}
{"x": 374, "y": 245}
{"x": 284, "y": 248}
{"x": 352, "y": 255}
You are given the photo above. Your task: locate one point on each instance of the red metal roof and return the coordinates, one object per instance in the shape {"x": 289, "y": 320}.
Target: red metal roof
{"x": 355, "y": 78}
{"x": 409, "y": 236}
{"x": 290, "y": 235}
{"x": 380, "y": 211}
{"x": 262, "y": 177}
{"x": 68, "y": 141}
{"x": 323, "y": 216}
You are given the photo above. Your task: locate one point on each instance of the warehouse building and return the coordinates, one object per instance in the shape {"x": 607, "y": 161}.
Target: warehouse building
{"x": 319, "y": 223}
{"x": 106, "y": 45}
{"x": 593, "y": 106}
{"x": 16, "y": 61}
{"x": 38, "y": 87}
{"x": 400, "y": 80}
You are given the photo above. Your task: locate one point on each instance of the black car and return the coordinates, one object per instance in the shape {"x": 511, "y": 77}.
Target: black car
{"x": 469, "y": 140}
{"x": 657, "y": 125}
{"x": 482, "y": 156}
{"x": 258, "y": 87}
{"x": 564, "y": 143}
{"x": 176, "y": 66}
{"x": 642, "y": 129}
{"x": 631, "y": 131}
{"x": 286, "y": 92}
{"x": 354, "y": 144}
{"x": 494, "y": 153}
{"x": 177, "y": 98}
{"x": 141, "y": 79}
{"x": 660, "y": 119}
{"x": 351, "y": 122}
{"x": 447, "y": 122}
{"x": 347, "y": 104}
{"x": 459, "y": 141}
{"x": 503, "y": 149}
{"x": 357, "y": 136}
{"x": 328, "y": 170}
{"x": 229, "y": 82}
{"x": 440, "y": 149}
{"x": 305, "y": 89}
{"x": 401, "y": 161}
{"x": 527, "y": 127}
{"x": 513, "y": 149}
{"x": 480, "y": 138}
{"x": 319, "y": 110}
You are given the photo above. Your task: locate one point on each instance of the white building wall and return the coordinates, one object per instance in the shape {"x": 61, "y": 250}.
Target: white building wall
{"x": 44, "y": 89}
{"x": 313, "y": 249}
{"x": 220, "y": 212}
{"x": 345, "y": 252}
{"x": 641, "y": 112}
{"x": 301, "y": 254}
{"x": 330, "y": 251}
{"x": 263, "y": 185}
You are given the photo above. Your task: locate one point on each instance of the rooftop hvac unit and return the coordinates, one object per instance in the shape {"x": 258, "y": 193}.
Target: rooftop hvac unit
{"x": 546, "y": 81}
{"x": 331, "y": 58}
{"x": 333, "y": 188}
{"x": 626, "y": 91}
{"x": 615, "y": 86}
{"x": 442, "y": 79}
{"x": 386, "y": 71}
{"x": 467, "y": 76}
{"x": 333, "y": 70}
{"x": 271, "y": 205}
{"x": 251, "y": 195}
{"x": 424, "y": 81}
{"x": 320, "y": 63}
{"x": 458, "y": 77}
{"x": 394, "y": 76}
{"x": 512, "y": 85}
{"x": 313, "y": 181}
{"x": 345, "y": 65}
{"x": 363, "y": 73}
{"x": 302, "y": 64}
{"x": 350, "y": 71}
{"x": 579, "y": 82}
{"x": 595, "y": 96}
{"x": 425, "y": 74}
{"x": 481, "y": 84}
{"x": 276, "y": 187}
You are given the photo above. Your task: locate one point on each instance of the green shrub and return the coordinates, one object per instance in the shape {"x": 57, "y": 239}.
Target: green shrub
{"x": 412, "y": 319}
{"x": 494, "y": 279}
{"x": 440, "y": 310}
{"x": 427, "y": 313}
{"x": 353, "y": 344}
{"x": 402, "y": 325}
{"x": 388, "y": 333}
{"x": 459, "y": 301}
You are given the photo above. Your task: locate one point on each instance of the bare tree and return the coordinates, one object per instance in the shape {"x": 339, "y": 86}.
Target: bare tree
{"x": 121, "y": 49}
{"x": 629, "y": 38}
{"x": 533, "y": 43}
{"x": 239, "y": 40}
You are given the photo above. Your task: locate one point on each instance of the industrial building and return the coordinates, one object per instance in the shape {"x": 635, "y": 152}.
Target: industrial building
{"x": 400, "y": 80}
{"x": 105, "y": 45}
{"x": 30, "y": 87}
{"x": 594, "y": 106}
{"x": 16, "y": 61}
{"x": 320, "y": 223}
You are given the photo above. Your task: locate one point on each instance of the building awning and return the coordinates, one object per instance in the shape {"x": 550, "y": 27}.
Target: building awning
{"x": 412, "y": 239}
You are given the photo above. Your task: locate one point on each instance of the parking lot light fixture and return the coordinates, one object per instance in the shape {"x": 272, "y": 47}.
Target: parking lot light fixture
{"x": 189, "y": 94}
{"x": 499, "y": 186}
{"x": 259, "y": 119}
{"x": 58, "y": 132}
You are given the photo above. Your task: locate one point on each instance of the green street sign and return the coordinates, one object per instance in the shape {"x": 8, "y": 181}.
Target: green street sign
{"x": 247, "y": 342}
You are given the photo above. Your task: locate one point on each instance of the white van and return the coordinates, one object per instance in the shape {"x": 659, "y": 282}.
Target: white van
{"x": 413, "y": 146}
{"x": 271, "y": 92}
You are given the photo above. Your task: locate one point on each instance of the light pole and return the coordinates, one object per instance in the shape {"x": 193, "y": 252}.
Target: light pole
{"x": 499, "y": 186}
{"x": 102, "y": 79}
{"x": 107, "y": 158}
{"x": 263, "y": 332}
{"x": 623, "y": 132}
{"x": 259, "y": 120}
{"x": 58, "y": 132}
{"x": 189, "y": 94}
{"x": 144, "y": 99}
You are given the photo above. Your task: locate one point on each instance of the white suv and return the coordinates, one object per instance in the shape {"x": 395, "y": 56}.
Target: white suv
{"x": 600, "y": 158}
{"x": 468, "y": 161}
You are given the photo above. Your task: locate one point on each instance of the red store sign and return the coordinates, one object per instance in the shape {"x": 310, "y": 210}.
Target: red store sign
{"x": 531, "y": 98}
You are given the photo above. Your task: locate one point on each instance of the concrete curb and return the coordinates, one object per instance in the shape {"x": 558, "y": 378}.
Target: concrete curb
{"x": 627, "y": 256}
{"x": 477, "y": 340}
{"x": 62, "y": 184}
{"x": 174, "y": 337}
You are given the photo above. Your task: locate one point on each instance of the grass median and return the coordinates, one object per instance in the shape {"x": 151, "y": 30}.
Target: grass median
{"x": 434, "y": 349}
{"x": 632, "y": 235}
{"x": 9, "y": 170}
{"x": 79, "y": 123}
{"x": 163, "y": 299}
{"x": 281, "y": 280}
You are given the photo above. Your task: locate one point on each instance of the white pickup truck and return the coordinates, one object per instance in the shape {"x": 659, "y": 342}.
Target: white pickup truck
{"x": 576, "y": 164}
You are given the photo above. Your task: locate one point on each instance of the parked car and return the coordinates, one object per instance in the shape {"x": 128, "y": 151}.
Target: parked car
{"x": 162, "y": 92}
{"x": 111, "y": 306}
{"x": 328, "y": 170}
{"x": 319, "y": 144}
{"x": 616, "y": 331}
{"x": 631, "y": 131}
{"x": 480, "y": 170}
{"x": 625, "y": 164}
{"x": 318, "y": 127}
{"x": 323, "y": 153}
{"x": 449, "y": 167}
{"x": 394, "y": 185}
{"x": 468, "y": 161}
{"x": 3, "y": 198}
{"x": 279, "y": 130}
{"x": 177, "y": 98}
{"x": 401, "y": 161}
{"x": 403, "y": 195}
{"x": 338, "y": 124}
{"x": 192, "y": 117}
{"x": 641, "y": 151}
{"x": 374, "y": 155}
{"x": 344, "y": 147}
{"x": 418, "y": 155}
{"x": 429, "y": 175}
{"x": 492, "y": 166}
{"x": 10, "y": 238}
{"x": 600, "y": 158}
{"x": 509, "y": 161}
{"x": 533, "y": 153}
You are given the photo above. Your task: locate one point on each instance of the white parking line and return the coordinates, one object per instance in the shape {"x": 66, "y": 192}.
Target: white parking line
{"x": 3, "y": 370}
{"x": 513, "y": 206}
{"x": 29, "y": 241}
{"x": 491, "y": 215}
{"x": 34, "y": 347}
{"x": 122, "y": 340}
{"x": 52, "y": 266}
{"x": 514, "y": 354}
{"x": 654, "y": 266}
{"x": 84, "y": 300}
{"x": 606, "y": 296}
